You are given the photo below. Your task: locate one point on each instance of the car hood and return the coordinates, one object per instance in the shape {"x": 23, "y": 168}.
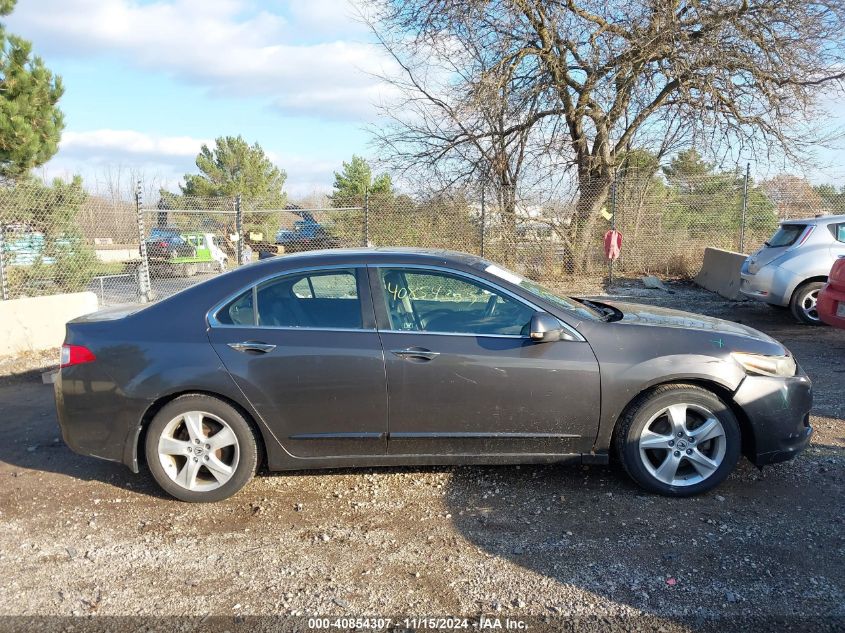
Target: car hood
{"x": 656, "y": 316}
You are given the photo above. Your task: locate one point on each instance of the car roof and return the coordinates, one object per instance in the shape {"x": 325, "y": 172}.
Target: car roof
{"x": 370, "y": 255}
{"x": 819, "y": 219}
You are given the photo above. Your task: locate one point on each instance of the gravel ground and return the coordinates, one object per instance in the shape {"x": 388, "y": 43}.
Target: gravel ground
{"x": 536, "y": 544}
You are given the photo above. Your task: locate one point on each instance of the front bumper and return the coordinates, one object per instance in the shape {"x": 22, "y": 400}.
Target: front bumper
{"x": 778, "y": 413}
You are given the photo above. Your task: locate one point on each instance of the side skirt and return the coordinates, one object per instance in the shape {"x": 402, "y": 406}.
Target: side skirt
{"x": 359, "y": 461}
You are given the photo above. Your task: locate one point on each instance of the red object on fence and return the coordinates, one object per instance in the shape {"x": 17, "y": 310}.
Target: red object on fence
{"x": 613, "y": 244}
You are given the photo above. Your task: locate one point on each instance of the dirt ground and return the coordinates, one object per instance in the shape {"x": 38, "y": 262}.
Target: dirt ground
{"x": 539, "y": 545}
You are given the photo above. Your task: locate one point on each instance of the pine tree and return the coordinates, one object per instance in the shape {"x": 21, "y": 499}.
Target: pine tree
{"x": 355, "y": 180}
{"x": 30, "y": 122}
{"x": 234, "y": 167}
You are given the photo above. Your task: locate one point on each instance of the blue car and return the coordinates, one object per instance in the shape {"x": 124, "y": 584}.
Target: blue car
{"x": 307, "y": 235}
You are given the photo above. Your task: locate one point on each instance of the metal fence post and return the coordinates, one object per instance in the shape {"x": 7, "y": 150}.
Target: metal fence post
{"x": 144, "y": 286}
{"x": 744, "y": 208}
{"x": 483, "y": 220}
{"x": 4, "y": 286}
{"x": 239, "y": 229}
{"x": 366, "y": 217}
{"x": 612, "y": 224}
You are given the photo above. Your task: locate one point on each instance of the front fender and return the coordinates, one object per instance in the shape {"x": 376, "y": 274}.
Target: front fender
{"x": 623, "y": 387}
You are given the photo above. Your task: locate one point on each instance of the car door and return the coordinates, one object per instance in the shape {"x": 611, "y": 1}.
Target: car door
{"x": 303, "y": 349}
{"x": 837, "y": 249}
{"x": 465, "y": 378}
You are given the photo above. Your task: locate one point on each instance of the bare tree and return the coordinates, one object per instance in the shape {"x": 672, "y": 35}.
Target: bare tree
{"x": 460, "y": 119}
{"x": 731, "y": 76}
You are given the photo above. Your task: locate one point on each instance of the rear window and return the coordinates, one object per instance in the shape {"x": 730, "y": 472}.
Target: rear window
{"x": 786, "y": 235}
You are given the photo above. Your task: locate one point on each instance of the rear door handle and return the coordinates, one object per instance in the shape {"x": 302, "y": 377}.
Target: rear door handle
{"x": 252, "y": 346}
{"x": 415, "y": 354}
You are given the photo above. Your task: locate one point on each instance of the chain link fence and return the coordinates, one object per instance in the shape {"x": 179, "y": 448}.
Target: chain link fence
{"x": 58, "y": 238}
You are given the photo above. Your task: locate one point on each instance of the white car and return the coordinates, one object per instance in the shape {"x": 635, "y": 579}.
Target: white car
{"x": 793, "y": 265}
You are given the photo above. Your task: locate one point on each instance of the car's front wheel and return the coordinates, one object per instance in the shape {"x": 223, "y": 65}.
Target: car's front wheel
{"x": 678, "y": 440}
{"x": 201, "y": 449}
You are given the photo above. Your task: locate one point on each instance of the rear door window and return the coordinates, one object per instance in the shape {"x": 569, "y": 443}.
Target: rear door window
{"x": 324, "y": 299}
{"x": 238, "y": 311}
{"x": 316, "y": 299}
{"x": 786, "y": 235}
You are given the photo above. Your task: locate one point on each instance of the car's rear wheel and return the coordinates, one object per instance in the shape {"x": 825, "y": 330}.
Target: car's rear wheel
{"x": 201, "y": 449}
{"x": 804, "y": 300}
{"x": 678, "y": 440}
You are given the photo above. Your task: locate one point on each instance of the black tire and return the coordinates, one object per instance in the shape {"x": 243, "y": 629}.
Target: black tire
{"x": 632, "y": 424}
{"x": 247, "y": 447}
{"x": 806, "y": 294}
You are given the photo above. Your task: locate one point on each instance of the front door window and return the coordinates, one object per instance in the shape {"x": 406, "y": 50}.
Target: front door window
{"x": 442, "y": 302}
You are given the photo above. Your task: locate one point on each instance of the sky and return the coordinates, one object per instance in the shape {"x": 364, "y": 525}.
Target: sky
{"x": 148, "y": 82}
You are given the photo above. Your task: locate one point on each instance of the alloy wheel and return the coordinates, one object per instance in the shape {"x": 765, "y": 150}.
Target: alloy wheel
{"x": 682, "y": 444}
{"x": 808, "y": 305}
{"x": 199, "y": 451}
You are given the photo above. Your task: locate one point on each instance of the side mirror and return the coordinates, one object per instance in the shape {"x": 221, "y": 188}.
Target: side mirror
{"x": 545, "y": 328}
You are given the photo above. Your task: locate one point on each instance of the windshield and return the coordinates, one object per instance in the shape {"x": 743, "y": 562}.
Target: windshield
{"x": 567, "y": 303}
{"x": 786, "y": 235}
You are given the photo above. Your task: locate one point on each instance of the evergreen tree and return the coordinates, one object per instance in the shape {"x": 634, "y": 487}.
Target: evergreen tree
{"x": 833, "y": 199}
{"x": 704, "y": 199}
{"x": 355, "y": 180}
{"x": 30, "y": 122}
{"x": 234, "y": 167}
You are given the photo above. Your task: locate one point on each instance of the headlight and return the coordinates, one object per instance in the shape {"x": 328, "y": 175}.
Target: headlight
{"x": 783, "y": 366}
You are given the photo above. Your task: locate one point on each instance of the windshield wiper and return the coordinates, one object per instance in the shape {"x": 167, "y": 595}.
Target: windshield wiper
{"x": 605, "y": 312}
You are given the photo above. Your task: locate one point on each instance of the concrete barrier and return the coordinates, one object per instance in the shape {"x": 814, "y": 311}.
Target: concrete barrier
{"x": 38, "y": 323}
{"x": 720, "y": 272}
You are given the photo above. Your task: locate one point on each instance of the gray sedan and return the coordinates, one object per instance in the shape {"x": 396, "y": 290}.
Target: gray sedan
{"x": 388, "y": 356}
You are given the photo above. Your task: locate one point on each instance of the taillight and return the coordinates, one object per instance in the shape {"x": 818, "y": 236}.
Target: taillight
{"x": 75, "y": 355}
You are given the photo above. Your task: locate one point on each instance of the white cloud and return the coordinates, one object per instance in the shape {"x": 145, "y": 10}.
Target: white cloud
{"x": 326, "y": 17}
{"x": 221, "y": 45}
{"x": 130, "y": 142}
{"x": 167, "y": 159}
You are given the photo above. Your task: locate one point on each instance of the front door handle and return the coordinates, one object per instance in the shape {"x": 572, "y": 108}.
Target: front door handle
{"x": 252, "y": 346}
{"x": 415, "y": 354}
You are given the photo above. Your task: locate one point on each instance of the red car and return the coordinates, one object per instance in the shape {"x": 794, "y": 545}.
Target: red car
{"x": 831, "y": 301}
